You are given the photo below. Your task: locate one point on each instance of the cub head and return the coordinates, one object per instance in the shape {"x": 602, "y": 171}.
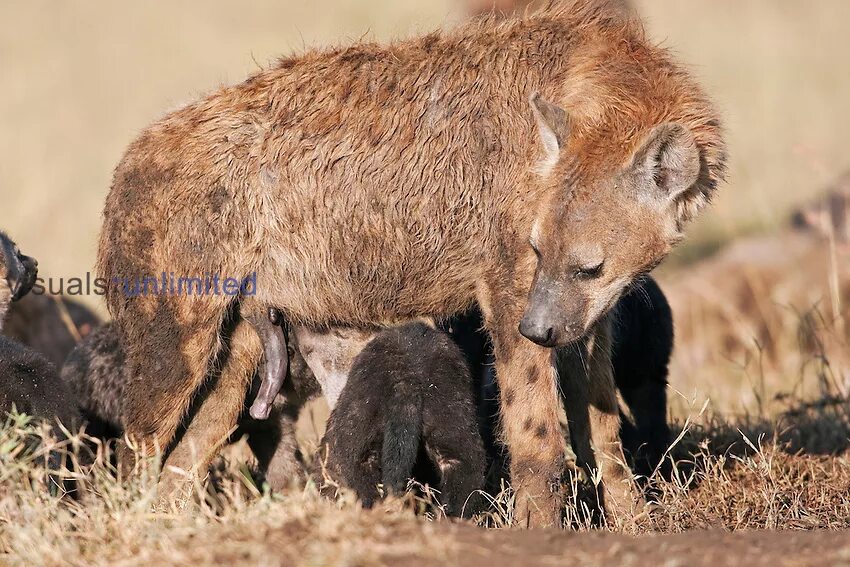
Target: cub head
{"x": 17, "y": 271}
{"x": 615, "y": 213}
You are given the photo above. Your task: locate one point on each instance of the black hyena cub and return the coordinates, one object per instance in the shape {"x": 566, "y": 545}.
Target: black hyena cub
{"x": 409, "y": 399}
{"x": 28, "y": 382}
{"x": 642, "y": 344}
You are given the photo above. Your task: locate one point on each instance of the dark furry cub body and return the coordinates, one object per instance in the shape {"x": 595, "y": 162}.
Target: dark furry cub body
{"x": 641, "y": 349}
{"x": 409, "y": 391}
{"x": 30, "y": 383}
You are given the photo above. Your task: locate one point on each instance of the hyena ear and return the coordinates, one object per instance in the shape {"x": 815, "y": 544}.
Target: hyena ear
{"x": 553, "y": 125}
{"x": 667, "y": 163}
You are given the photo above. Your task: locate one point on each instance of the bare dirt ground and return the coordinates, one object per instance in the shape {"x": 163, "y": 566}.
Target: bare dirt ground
{"x": 768, "y": 548}
{"x": 442, "y": 544}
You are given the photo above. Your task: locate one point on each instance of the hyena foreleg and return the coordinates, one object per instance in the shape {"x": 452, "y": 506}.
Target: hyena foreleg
{"x": 529, "y": 415}
{"x": 590, "y": 400}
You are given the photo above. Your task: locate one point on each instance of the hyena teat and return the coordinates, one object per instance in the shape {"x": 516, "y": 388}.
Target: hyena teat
{"x": 331, "y": 350}
{"x": 271, "y": 329}
{"x": 409, "y": 396}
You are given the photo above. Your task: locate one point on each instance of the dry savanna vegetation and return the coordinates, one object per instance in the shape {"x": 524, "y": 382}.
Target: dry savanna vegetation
{"x": 760, "y": 380}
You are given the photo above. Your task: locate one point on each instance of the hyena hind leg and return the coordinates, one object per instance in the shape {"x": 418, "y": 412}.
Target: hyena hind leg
{"x": 215, "y": 413}
{"x": 170, "y": 358}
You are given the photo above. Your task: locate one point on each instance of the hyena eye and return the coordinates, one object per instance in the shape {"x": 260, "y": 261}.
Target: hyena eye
{"x": 588, "y": 272}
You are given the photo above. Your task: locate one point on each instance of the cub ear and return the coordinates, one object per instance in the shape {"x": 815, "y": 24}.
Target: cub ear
{"x": 553, "y": 125}
{"x": 668, "y": 162}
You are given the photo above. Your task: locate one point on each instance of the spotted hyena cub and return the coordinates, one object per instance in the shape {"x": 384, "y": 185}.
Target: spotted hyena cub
{"x": 409, "y": 403}
{"x": 28, "y": 382}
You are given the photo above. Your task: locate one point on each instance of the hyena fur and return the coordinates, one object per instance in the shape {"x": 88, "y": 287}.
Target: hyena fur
{"x": 642, "y": 343}
{"x": 28, "y": 382}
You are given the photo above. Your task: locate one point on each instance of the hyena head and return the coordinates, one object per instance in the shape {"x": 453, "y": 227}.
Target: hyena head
{"x": 615, "y": 214}
{"x": 17, "y": 271}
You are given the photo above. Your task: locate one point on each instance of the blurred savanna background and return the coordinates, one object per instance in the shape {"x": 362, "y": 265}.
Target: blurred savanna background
{"x": 761, "y": 306}
{"x": 80, "y": 79}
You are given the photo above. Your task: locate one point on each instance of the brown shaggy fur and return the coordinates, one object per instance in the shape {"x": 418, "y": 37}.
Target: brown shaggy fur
{"x": 376, "y": 184}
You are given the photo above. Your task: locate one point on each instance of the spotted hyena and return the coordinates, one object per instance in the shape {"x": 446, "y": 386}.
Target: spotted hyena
{"x": 641, "y": 346}
{"x": 536, "y": 166}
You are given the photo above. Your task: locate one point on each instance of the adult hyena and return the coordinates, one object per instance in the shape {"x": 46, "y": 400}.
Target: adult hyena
{"x": 373, "y": 185}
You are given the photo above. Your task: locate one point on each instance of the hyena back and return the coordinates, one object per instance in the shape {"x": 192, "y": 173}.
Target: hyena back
{"x": 372, "y": 185}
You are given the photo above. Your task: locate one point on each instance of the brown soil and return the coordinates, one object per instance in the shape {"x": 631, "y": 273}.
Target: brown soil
{"x": 414, "y": 544}
{"x": 773, "y": 548}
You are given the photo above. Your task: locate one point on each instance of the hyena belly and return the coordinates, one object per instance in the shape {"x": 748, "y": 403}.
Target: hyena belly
{"x": 341, "y": 271}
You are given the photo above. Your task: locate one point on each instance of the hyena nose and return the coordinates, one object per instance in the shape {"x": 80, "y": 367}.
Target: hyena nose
{"x": 538, "y": 332}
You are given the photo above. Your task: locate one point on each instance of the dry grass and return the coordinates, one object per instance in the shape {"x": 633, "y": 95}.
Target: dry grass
{"x": 730, "y": 475}
{"x": 764, "y": 422}
{"x": 778, "y": 462}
